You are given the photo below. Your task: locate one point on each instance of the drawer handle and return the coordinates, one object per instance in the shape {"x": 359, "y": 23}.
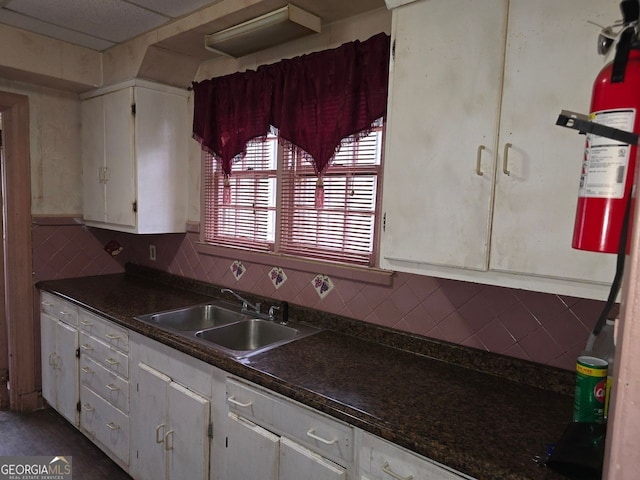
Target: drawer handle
{"x": 479, "y": 160}
{"x": 84, "y": 323}
{"x": 86, "y": 346}
{"x": 386, "y": 469}
{"x": 233, "y": 401}
{"x": 168, "y": 445}
{"x": 113, "y": 426}
{"x": 113, "y": 336}
{"x": 46, "y": 304}
{"x": 65, "y": 313}
{"x": 88, "y": 370}
{"x": 505, "y": 159}
{"x": 112, "y": 387}
{"x": 160, "y": 435}
{"x": 312, "y": 433}
{"x": 112, "y": 361}
{"x": 88, "y": 407}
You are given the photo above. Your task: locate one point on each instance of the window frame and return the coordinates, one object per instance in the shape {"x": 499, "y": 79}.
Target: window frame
{"x": 370, "y": 274}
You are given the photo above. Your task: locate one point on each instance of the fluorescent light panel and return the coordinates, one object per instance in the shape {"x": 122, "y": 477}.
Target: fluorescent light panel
{"x": 280, "y": 26}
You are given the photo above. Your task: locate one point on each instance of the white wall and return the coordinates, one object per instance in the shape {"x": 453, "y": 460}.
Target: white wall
{"x": 54, "y": 142}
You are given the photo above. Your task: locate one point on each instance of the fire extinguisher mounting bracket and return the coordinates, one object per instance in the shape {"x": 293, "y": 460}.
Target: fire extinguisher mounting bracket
{"x": 581, "y": 122}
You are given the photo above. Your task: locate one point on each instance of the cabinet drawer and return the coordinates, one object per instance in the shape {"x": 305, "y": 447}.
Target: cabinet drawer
{"x": 105, "y": 330}
{"x": 381, "y": 460}
{"x": 59, "y": 308}
{"x": 104, "y": 423}
{"x": 105, "y": 355}
{"x": 322, "y": 434}
{"x": 108, "y": 385}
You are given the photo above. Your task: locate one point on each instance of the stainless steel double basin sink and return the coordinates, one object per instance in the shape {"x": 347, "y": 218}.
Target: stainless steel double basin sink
{"x": 222, "y": 326}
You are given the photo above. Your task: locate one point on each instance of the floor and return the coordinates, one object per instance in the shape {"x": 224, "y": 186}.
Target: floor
{"x": 44, "y": 432}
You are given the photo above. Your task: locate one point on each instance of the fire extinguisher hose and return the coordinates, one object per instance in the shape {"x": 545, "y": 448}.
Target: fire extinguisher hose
{"x": 617, "y": 279}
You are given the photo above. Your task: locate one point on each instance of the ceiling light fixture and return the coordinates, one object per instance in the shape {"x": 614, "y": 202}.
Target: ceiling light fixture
{"x": 280, "y": 26}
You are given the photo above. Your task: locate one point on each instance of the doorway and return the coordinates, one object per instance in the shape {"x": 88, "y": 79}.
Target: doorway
{"x": 17, "y": 329}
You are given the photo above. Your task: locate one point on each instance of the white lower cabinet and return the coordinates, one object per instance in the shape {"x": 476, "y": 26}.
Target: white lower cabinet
{"x": 170, "y": 429}
{"x": 103, "y": 423}
{"x": 297, "y": 461}
{"x": 270, "y": 437}
{"x": 59, "y": 365}
{"x": 171, "y": 406}
{"x": 381, "y": 460}
{"x": 104, "y": 378}
{"x": 250, "y": 451}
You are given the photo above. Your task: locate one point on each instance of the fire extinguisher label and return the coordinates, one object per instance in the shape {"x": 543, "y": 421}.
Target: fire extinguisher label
{"x": 605, "y": 161}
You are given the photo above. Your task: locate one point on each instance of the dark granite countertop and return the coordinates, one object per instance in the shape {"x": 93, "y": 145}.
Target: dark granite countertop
{"x": 477, "y": 422}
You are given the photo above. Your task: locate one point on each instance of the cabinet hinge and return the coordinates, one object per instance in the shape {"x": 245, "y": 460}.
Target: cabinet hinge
{"x": 77, "y": 353}
{"x": 133, "y": 109}
{"x": 393, "y": 49}
{"x": 210, "y": 430}
{"x": 384, "y": 222}
{"x": 135, "y": 206}
{"x": 78, "y": 407}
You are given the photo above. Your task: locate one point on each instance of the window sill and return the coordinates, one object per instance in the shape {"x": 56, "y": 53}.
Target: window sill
{"x": 348, "y": 272}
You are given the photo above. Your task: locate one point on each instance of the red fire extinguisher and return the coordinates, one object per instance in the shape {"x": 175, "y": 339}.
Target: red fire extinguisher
{"x": 608, "y": 167}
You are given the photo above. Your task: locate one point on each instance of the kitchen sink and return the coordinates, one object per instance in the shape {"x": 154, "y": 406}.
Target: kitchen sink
{"x": 197, "y": 317}
{"x": 248, "y": 335}
{"x": 223, "y": 327}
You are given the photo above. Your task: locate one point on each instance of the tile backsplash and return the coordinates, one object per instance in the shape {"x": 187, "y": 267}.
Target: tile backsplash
{"x": 545, "y": 328}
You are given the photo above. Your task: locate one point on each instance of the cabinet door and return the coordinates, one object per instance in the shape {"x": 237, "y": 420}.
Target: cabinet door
{"x": 252, "y": 451}
{"x": 67, "y": 372}
{"x": 93, "y": 145}
{"x": 443, "y": 117}
{"x": 150, "y": 424}
{"x": 535, "y": 203}
{"x": 187, "y": 446}
{"x": 161, "y": 134}
{"x": 298, "y": 462}
{"x": 47, "y": 356}
{"x": 119, "y": 157}
{"x": 59, "y": 366}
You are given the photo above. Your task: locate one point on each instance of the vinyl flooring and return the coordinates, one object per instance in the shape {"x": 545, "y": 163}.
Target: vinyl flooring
{"x": 44, "y": 432}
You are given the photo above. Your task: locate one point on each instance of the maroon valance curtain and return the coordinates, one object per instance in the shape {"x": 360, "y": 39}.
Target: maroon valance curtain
{"x": 315, "y": 101}
{"x": 230, "y": 111}
{"x": 322, "y": 99}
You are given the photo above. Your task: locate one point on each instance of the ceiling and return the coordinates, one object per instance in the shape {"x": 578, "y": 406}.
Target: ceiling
{"x": 102, "y": 24}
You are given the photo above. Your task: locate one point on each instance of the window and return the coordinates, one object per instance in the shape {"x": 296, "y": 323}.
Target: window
{"x": 272, "y": 202}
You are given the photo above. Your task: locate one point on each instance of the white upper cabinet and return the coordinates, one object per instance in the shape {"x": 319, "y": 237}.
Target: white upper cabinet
{"x": 135, "y": 159}
{"x": 475, "y": 91}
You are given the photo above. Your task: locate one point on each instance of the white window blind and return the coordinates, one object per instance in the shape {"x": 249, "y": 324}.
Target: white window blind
{"x": 248, "y": 220}
{"x": 343, "y": 230}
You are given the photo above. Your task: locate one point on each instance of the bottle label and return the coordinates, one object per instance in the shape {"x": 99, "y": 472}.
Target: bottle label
{"x": 591, "y": 389}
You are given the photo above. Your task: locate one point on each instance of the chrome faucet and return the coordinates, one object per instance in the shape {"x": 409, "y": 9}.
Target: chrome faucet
{"x": 245, "y": 303}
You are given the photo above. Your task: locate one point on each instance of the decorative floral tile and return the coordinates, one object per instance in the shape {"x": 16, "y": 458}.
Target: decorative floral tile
{"x": 113, "y": 248}
{"x": 237, "y": 268}
{"x": 277, "y": 276}
{"x": 322, "y": 284}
